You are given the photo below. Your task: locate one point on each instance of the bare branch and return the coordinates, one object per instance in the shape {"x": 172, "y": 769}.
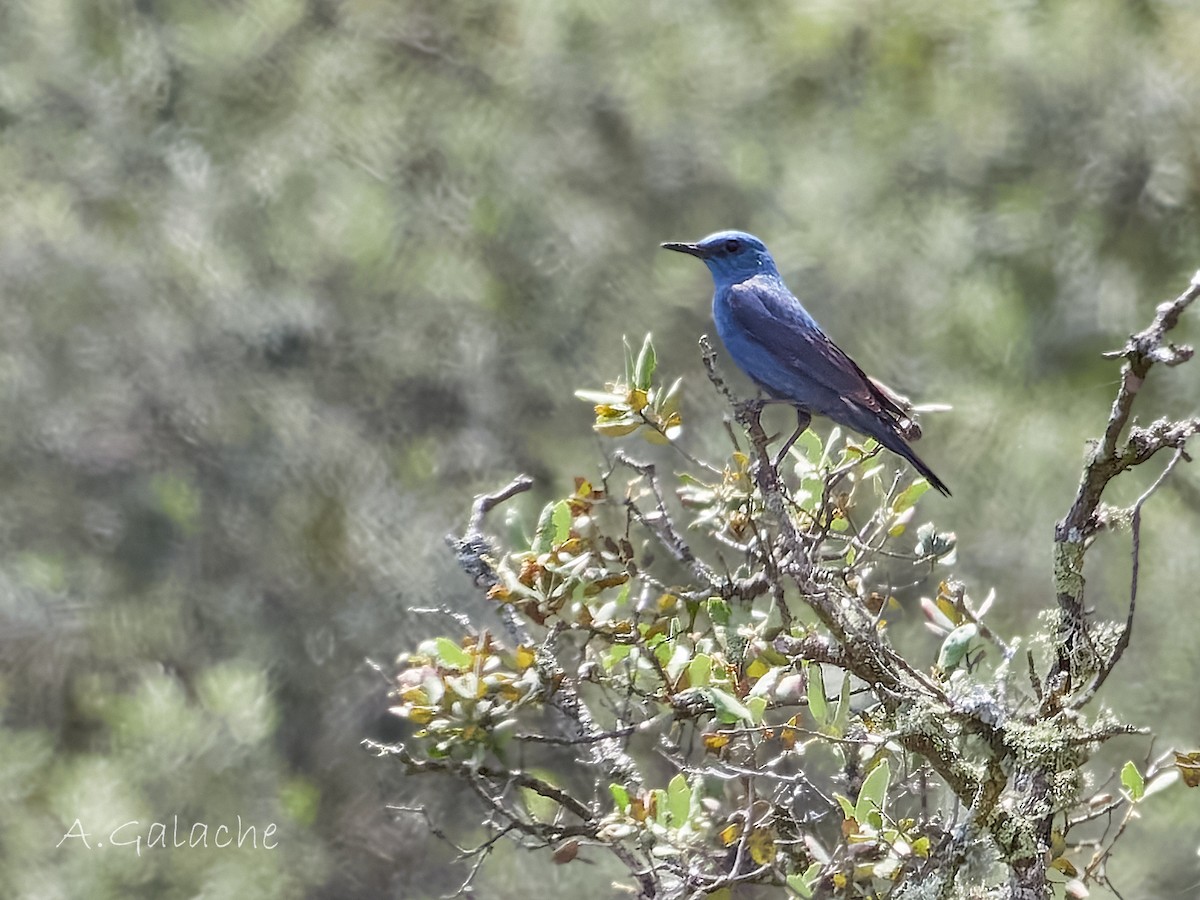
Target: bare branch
{"x": 1126, "y": 633}
{"x": 1108, "y": 459}
{"x": 660, "y": 525}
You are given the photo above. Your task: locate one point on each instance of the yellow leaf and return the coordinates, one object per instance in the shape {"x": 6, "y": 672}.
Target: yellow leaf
{"x": 839, "y": 880}
{"x": 421, "y": 715}
{"x": 921, "y": 846}
{"x": 618, "y": 427}
{"x": 757, "y": 669}
{"x": 1058, "y": 843}
{"x": 947, "y": 606}
{"x": 1188, "y": 765}
{"x": 525, "y": 658}
{"x": 714, "y": 742}
{"x": 1065, "y": 866}
{"x": 729, "y": 834}
{"x": 761, "y": 845}
{"x": 509, "y": 693}
{"x": 415, "y": 695}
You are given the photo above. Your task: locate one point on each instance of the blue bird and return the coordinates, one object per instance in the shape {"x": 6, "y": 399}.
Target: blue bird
{"x": 774, "y": 340}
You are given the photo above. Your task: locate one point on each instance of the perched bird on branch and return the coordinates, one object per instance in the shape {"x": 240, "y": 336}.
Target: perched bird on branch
{"x": 774, "y": 340}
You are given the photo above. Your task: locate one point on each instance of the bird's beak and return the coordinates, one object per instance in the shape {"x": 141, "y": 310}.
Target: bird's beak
{"x": 690, "y": 249}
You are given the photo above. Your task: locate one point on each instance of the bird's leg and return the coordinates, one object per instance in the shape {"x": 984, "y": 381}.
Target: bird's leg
{"x": 803, "y": 418}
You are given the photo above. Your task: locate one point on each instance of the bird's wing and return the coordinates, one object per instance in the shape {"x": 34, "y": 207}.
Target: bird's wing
{"x": 780, "y": 325}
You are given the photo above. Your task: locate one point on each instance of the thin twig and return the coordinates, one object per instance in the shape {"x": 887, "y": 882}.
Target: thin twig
{"x": 660, "y": 524}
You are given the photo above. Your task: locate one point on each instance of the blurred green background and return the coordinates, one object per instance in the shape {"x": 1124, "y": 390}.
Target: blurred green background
{"x": 284, "y": 283}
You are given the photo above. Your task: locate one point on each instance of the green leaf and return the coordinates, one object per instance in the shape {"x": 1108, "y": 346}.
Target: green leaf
{"x": 729, "y": 708}
{"x": 664, "y": 649}
{"x": 620, "y": 796}
{"x": 615, "y": 654}
{"x": 1133, "y": 781}
{"x": 670, "y": 401}
{"x": 803, "y": 884}
{"x": 757, "y": 706}
{"x": 719, "y": 611}
{"x": 643, "y": 370}
{"x": 659, "y": 798}
{"x": 872, "y": 796}
{"x": 841, "y": 713}
{"x": 846, "y": 805}
{"x": 543, "y": 537}
{"x": 817, "y": 705}
{"x": 700, "y": 670}
{"x": 679, "y": 800}
{"x": 955, "y": 646}
{"x": 910, "y": 495}
{"x": 561, "y": 517}
{"x": 452, "y": 654}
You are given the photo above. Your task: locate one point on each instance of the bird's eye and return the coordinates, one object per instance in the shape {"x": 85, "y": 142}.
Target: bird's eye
{"x": 733, "y": 245}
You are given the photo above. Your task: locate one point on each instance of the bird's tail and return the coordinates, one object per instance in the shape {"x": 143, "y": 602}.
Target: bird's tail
{"x": 890, "y": 436}
{"x": 907, "y": 452}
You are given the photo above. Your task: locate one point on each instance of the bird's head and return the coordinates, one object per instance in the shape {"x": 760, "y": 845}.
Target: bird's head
{"x": 731, "y": 256}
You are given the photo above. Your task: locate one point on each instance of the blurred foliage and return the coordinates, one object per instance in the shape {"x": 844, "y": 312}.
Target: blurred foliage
{"x": 283, "y": 283}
